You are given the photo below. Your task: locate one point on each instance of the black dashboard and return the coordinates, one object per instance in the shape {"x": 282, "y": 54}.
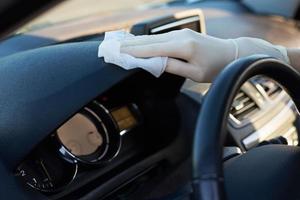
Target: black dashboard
{"x": 114, "y": 132}
{"x": 137, "y": 120}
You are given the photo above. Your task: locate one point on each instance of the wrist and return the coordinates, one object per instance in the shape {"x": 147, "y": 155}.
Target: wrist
{"x": 228, "y": 55}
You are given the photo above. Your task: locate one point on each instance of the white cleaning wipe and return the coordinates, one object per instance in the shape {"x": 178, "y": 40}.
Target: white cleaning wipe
{"x": 110, "y": 50}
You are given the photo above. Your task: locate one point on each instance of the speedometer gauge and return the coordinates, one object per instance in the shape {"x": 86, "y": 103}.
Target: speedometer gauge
{"x": 81, "y": 136}
{"x": 90, "y": 136}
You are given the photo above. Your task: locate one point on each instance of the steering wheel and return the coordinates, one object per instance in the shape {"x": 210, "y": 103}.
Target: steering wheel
{"x": 266, "y": 172}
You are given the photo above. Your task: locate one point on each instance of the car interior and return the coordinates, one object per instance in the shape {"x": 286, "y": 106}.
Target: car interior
{"x": 75, "y": 127}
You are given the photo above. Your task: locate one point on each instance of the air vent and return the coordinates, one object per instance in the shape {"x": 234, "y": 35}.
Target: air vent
{"x": 243, "y": 106}
{"x": 270, "y": 87}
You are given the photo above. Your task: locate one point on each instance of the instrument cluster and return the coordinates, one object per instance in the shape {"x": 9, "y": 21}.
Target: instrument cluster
{"x": 91, "y": 137}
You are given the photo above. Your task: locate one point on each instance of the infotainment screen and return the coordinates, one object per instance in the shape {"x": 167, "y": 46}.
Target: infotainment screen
{"x": 191, "y": 23}
{"x": 192, "y": 19}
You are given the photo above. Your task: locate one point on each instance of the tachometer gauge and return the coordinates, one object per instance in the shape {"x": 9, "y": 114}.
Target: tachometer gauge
{"x": 46, "y": 172}
{"x": 90, "y": 136}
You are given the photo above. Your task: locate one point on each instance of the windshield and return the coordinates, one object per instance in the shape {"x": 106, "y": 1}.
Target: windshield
{"x": 75, "y": 9}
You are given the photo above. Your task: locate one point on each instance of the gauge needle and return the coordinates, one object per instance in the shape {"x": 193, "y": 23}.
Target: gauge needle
{"x": 45, "y": 170}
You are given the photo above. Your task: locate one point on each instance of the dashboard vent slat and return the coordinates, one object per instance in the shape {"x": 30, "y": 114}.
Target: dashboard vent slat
{"x": 270, "y": 87}
{"x": 243, "y": 106}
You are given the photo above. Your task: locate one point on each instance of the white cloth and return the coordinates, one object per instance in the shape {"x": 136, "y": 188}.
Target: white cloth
{"x": 110, "y": 50}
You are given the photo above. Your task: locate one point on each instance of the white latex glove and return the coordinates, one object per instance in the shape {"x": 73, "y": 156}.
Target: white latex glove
{"x": 197, "y": 56}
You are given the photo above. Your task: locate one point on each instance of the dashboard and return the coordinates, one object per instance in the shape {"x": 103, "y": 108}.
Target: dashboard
{"x": 142, "y": 129}
{"x": 115, "y": 130}
{"x": 110, "y": 135}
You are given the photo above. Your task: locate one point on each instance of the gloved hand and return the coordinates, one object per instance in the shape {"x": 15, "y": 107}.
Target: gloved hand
{"x": 197, "y": 56}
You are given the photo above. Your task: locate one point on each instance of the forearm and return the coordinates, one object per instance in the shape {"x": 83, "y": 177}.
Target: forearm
{"x": 247, "y": 46}
{"x": 201, "y": 57}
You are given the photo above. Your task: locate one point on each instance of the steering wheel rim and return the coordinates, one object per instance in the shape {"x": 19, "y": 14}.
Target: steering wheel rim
{"x": 208, "y": 178}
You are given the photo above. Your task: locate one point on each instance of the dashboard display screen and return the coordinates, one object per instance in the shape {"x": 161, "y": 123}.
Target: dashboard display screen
{"x": 190, "y": 23}
{"x": 124, "y": 118}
